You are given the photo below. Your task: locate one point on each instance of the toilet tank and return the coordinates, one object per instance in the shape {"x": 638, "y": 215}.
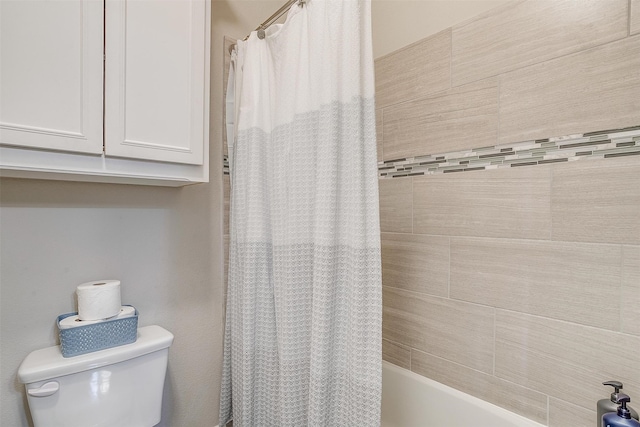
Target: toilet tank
{"x": 120, "y": 386}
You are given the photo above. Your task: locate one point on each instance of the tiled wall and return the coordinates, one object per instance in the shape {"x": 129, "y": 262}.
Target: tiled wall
{"x": 519, "y": 285}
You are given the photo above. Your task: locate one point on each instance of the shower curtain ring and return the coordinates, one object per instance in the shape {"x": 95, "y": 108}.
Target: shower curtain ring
{"x": 261, "y": 33}
{"x": 302, "y": 2}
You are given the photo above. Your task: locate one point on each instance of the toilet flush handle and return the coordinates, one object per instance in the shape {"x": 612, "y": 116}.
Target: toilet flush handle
{"x": 46, "y": 389}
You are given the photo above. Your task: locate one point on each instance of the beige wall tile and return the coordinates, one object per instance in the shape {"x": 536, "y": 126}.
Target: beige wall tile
{"x": 588, "y": 91}
{"x": 631, "y": 291}
{"x": 416, "y": 263}
{"x": 457, "y": 331}
{"x": 512, "y": 397}
{"x": 379, "y": 113}
{"x": 396, "y": 203}
{"x": 457, "y": 119}
{"x": 635, "y": 17}
{"x": 397, "y": 354}
{"x": 226, "y": 191}
{"x": 576, "y": 282}
{"x": 597, "y": 200}
{"x": 565, "y": 360}
{"x": 563, "y": 414}
{"x": 531, "y": 32}
{"x": 413, "y": 71}
{"x": 510, "y": 202}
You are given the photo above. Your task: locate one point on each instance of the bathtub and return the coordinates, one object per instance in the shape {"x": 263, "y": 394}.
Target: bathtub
{"x": 411, "y": 400}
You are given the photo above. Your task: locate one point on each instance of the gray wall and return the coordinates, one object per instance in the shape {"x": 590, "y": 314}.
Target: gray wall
{"x": 158, "y": 241}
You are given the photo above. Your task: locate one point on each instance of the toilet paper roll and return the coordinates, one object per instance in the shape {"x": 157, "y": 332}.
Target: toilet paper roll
{"x": 98, "y": 300}
{"x": 75, "y": 321}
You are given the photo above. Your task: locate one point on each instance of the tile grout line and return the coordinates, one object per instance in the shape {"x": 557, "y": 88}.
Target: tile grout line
{"x": 548, "y": 408}
{"x": 517, "y": 239}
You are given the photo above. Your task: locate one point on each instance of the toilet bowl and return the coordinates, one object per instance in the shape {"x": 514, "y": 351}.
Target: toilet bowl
{"x": 120, "y": 386}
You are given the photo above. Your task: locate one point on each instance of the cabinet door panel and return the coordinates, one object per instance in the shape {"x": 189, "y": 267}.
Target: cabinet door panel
{"x": 155, "y": 79}
{"x": 51, "y": 71}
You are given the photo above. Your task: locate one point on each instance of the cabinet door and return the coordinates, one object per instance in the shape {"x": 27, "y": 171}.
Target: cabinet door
{"x": 156, "y": 79}
{"x": 51, "y": 74}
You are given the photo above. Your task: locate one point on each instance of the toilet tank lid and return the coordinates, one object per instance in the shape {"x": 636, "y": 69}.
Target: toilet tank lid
{"x": 48, "y": 363}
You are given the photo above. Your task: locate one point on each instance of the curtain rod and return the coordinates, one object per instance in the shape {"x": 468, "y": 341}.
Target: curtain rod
{"x": 273, "y": 18}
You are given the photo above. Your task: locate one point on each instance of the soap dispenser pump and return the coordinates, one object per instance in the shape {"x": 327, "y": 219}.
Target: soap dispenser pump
{"x": 622, "y": 417}
{"x": 610, "y": 405}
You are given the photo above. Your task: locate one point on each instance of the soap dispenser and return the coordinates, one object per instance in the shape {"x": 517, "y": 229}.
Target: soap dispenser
{"x": 609, "y": 405}
{"x": 622, "y": 417}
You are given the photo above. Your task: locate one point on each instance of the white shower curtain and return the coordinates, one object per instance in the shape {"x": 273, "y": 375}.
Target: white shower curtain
{"x": 303, "y": 322}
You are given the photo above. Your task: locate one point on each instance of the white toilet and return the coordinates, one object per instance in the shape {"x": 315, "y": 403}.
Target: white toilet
{"x": 117, "y": 387}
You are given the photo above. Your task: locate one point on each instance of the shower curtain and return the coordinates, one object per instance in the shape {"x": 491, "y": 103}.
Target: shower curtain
{"x": 303, "y": 322}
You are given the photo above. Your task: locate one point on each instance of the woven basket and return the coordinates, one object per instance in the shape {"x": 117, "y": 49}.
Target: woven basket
{"x": 97, "y": 336}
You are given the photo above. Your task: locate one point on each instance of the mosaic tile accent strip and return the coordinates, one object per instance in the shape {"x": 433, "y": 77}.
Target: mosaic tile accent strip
{"x": 225, "y": 164}
{"x": 602, "y": 144}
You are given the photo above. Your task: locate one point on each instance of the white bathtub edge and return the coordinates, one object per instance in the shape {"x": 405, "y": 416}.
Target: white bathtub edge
{"x": 453, "y": 395}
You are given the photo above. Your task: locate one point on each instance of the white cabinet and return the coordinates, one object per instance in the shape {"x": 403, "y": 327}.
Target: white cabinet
{"x": 155, "y": 81}
{"x": 113, "y": 91}
{"x": 51, "y": 74}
